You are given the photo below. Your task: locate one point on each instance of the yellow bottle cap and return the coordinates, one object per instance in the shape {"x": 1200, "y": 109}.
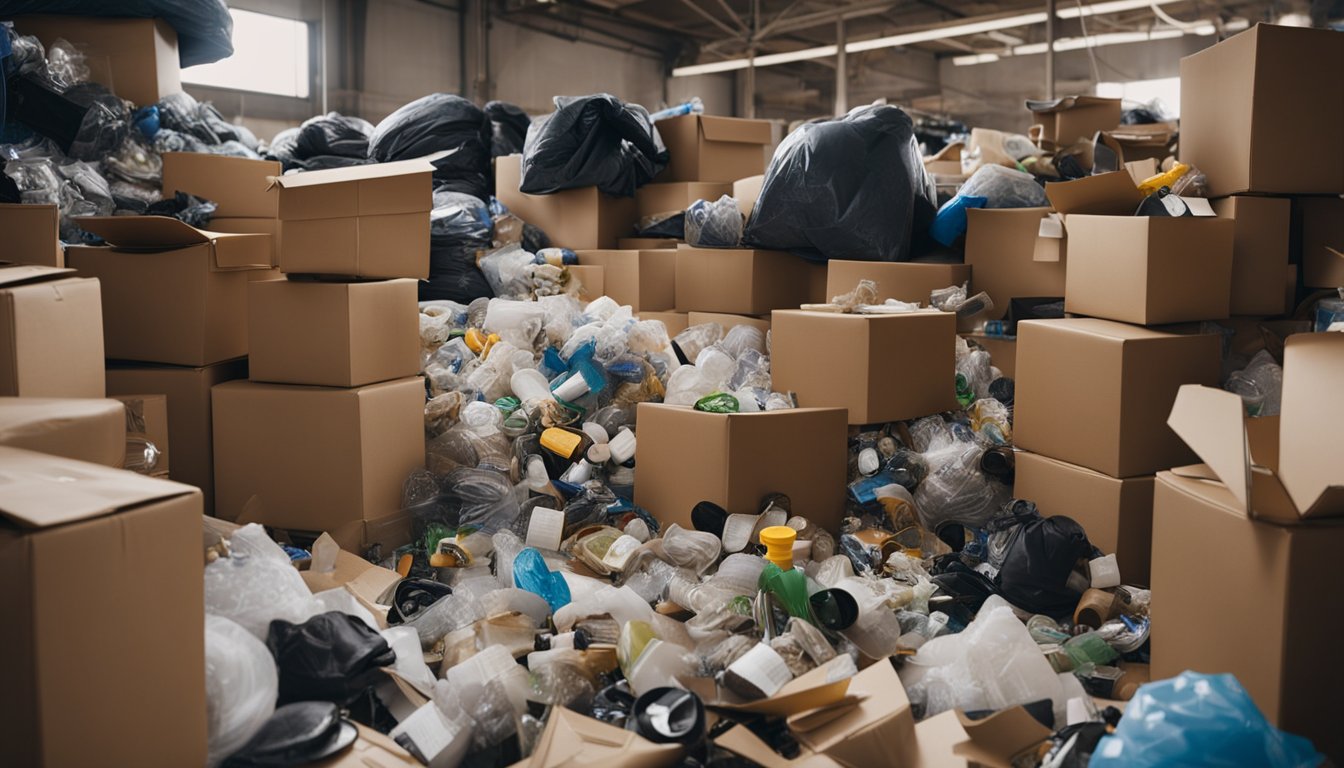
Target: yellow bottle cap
{"x": 778, "y": 541}
{"x": 561, "y": 442}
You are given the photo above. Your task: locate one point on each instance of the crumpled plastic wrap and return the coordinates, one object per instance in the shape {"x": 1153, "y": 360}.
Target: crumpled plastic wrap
{"x": 241, "y": 686}
{"x": 254, "y": 589}
{"x": 714, "y": 225}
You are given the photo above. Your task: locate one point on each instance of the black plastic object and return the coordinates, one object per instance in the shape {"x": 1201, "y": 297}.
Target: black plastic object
{"x": 614, "y": 703}
{"x": 671, "y": 225}
{"x": 330, "y": 657}
{"x": 187, "y": 208}
{"x": 430, "y": 124}
{"x": 508, "y": 127}
{"x": 834, "y": 609}
{"x": 668, "y": 716}
{"x": 296, "y": 734}
{"x": 333, "y": 134}
{"x": 453, "y": 274}
{"x": 709, "y": 517}
{"x": 180, "y": 112}
{"x": 852, "y": 188}
{"x": 967, "y": 588}
{"x": 412, "y": 596}
{"x": 590, "y": 141}
{"x": 1041, "y": 554}
{"x": 204, "y": 27}
{"x": 41, "y": 108}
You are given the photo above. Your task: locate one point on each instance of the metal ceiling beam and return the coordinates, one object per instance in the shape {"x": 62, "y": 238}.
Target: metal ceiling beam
{"x": 733, "y": 15}
{"x": 711, "y": 18}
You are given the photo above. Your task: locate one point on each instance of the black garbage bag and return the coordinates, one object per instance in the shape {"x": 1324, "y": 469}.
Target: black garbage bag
{"x": 851, "y": 188}
{"x": 323, "y": 162}
{"x": 189, "y": 209}
{"x": 282, "y": 147}
{"x": 434, "y": 123}
{"x": 333, "y": 134}
{"x": 301, "y": 733}
{"x": 180, "y": 112}
{"x": 1040, "y": 555}
{"x": 671, "y": 224}
{"x": 331, "y": 657}
{"x": 591, "y": 141}
{"x": 508, "y": 127}
{"x": 463, "y": 218}
{"x": 453, "y": 274}
{"x": 204, "y": 27}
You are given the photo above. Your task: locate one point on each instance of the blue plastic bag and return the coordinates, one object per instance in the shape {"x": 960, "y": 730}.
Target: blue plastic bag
{"x": 1199, "y": 720}
{"x": 950, "y": 223}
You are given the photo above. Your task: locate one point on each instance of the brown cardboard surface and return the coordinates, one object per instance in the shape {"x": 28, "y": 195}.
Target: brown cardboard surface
{"x": 1095, "y": 392}
{"x": 880, "y": 367}
{"x": 84, "y": 430}
{"x": 677, "y": 196}
{"x": 1249, "y": 107}
{"x": 645, "y": 280}
{"x": 190, "y": 425}
{"x": 1002, "y": 351}
{"x": 240, "y": 187}
{"x": 735, "y": 460}
{"x": 1008, "y": 257}
{"x": 252, "y": 225}
{"x": 1318, "y": 240}
{"x": 371, "y": 750}
{"x": 1259, "y": 252}
{"x": 994, "y": 741}
{"x": 903, "y": 281}
{"x": 747, "y": 191}
{"x": 591, "y": 278}
{"x": 728, "y": 321}
{"x": 712, "y": 148}
{"x": 740, "y": 280}
{"x": 332, "y": 334}
{"x": 51, "y": 341}
{"x": 1107, "y": 194}
{"x": 1149, "y": 270}
{"x": 816, "y": 283}
{"x": 32, "y": 234}
{"x": 384, "y": 246}
{"x": 126, "y": 548}
{"x": 147, "y": 417}
{"x": 1199, "y": 602}
{"x": 676, "y": 322}
{"x": 879, "y": 730}
{"x": 381, "y": 189}
{"x": 135, "y": 58}
{"x": 571, "y": 740}
{"x": 1080, "y": 118}
{"x": 581, "y": 219}
{"x": 646, "y": 243}
{"x": 316, "y": 458}
{"x": 1117, "y": 514}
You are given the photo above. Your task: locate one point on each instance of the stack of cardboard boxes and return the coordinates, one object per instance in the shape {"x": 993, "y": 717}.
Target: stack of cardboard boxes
{"x": 330, "y": 422}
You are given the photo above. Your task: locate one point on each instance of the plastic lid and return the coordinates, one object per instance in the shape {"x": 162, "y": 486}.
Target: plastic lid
{"x": 778, "y": 541}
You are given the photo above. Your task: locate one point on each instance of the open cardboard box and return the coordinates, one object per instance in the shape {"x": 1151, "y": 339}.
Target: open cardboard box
{"x": 713, "y": 148}
{"x": 1014, "y": 253}
{"x": 994, "y": 741}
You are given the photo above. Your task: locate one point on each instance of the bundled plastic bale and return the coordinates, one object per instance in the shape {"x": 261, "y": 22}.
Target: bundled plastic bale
{"x": 590, "y": 141}
{"x": 853, "y": 188}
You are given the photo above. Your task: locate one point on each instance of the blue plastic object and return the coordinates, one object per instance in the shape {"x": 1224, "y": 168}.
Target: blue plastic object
{"x": 530, "y": 573}
{"x": 950, "y": 223}
{"x": 146, "y": 119}
{"x": 1199, "y": 720}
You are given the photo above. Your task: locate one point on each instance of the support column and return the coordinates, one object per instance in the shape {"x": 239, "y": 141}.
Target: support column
{"x": 841, "y": 70}
{"x": 1050, "y": 33}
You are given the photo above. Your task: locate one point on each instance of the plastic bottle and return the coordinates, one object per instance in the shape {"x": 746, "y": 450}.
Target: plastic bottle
{"x": 778, "y": 541}
{"x": 568, "y": 444}
{"x": 530, "y": 385}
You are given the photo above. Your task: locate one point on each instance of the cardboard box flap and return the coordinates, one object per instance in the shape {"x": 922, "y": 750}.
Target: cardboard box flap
{"x": 743, "y": 743}
{"x": 871, "y": 725}
{"x": 354, "y": 173}
{"x": 17, "y": 274}
{"x": 40, "y": 491}
{"x": 822, "y": 687}
{"x": 1051, "y": 106}
{"x": 735, "y": 129}
{"x": 1052, "y": 226}
{"x": 997, "y": 739}
{"x": 574, "y": 739}
{"x": 1310, "y": 423}
{"x": 164, "y": 233}
{"x": 1211, "y": 422}
{"x": 1108, "y": 194}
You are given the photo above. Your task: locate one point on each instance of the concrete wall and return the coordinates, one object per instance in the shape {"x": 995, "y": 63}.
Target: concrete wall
{"x": 411, "y": 49}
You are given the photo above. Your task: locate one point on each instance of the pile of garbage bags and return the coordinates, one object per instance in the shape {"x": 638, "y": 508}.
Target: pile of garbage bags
{"x": 332, "y": 140}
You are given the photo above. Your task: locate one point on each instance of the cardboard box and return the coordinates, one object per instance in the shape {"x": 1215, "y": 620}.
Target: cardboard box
{"x": 735, "y": 460}
{"x": 676, "y": 322}
{"x": 710, "y": 148}
{"x": 316, "y": 459}
{"x": 999, "y": 739}
{"x": 1254, "y": 120}
{"x": 581, "y": 219}
{"x": 171, "y": 293}
{"x": 747, "y": 191}
{"x": 1002, "y": 351}
{"x": 570, "y": 740}
{"x": 238, "y": 186}
{"x": 190, "y": 424}
{"x": 728, "y": 321}
{"x": 249, "y": 226}
{"x": 903, "y": 281}
{"x": 32, "y": 234}
{"x": 1076, "y": 117}
{"x": 136, "y": 59}
{"x": 1318, "y": 240}
{"x": 51, "y": 339}
{"x": 647, "y": 243}
{"x": 84, "y": 430}
{"x": 102, "y": 589}
{"x": 645, "y": 280}
{"x": 1259, "y": 252}
{"x": 816, "y": 282}
{"x": 1137, "y": 143}
{"x": 1149, "y": 270}
{"x": 880, "y": 367}
{"x": 1117, "y": 514}
{"x": 362, "y": 221}
{"x": 1271, "y": 495}
{"x": 592, "y": 281}
{"x": 1009, "y": 258}
{"x": 333, "y": 334}
{"x": 147, "y": 418}
{"x": 1096, "y": 393}
{"x": 740, "y": 280}
{"x": 652, "y": 199}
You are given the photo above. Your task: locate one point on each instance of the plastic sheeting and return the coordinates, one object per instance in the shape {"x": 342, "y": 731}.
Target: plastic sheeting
{"x": 853, "y": 188}
{"x": 588, "y": 141}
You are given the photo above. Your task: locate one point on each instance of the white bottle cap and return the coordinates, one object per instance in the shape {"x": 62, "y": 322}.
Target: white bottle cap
{"x": 622, "y": 446}
{"x": 571, "y": 389}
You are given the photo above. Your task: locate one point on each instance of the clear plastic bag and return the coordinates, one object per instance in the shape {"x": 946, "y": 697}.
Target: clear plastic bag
{"x": 241, "y": 685}
{"x": 255, "y": 590}
{"x": 714, "y": 225}
{"x": 1004, "y": 187}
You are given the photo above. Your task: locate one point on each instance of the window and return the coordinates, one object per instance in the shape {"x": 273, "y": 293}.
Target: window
{"x": 270, "y": 55}
{"x": 1166, "y": 92}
